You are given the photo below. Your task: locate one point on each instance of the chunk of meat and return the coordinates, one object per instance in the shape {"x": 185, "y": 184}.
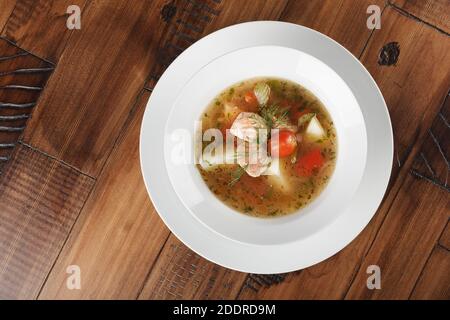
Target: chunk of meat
{"x": 254, "y": 162}
{"x": 257, "y": 169}
{"x": 247, "y": 126}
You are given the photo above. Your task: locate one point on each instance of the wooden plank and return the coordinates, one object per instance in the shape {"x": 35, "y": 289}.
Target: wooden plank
{"x": 445, "y": 238}
{"x": 180, "y": 273}
{"x": 434, "y": 12}
{"x": 432, "y": 163}
{"x": 39, "y": 26}
{"x": 434, "y": 283}
{"x": 6, "y": 6}
{"x": 118, "y": 235}
{"x": 404, "y": 242}
{"x": 185, "y": 22}
{"x": 19, "y": 92}
{"x": 414, "y": 72}
{"x": 235, "y": 11}
{"x": 331, "y": 17}
{"x": 40, "y": 199}
{"x": 191, "y": 20}
{"x": 411, "y": 116}
{"x": 414, "y": 223}
{"x": 92, "y": 91}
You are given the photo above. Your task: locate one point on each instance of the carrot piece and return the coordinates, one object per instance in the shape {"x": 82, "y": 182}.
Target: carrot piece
{"x": 309, "y": 163}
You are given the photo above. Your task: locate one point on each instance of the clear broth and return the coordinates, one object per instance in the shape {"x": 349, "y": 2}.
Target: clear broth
{"x": 269, "y": 196}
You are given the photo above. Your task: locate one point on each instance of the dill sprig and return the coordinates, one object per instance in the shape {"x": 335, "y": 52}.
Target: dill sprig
{"x": 275, "y": 116}
{"x": 236, "y": 175}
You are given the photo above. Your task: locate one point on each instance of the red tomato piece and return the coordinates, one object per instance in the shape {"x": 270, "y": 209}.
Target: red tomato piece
{"x": 284, "y": 143}
{"x": 309, "y": 163}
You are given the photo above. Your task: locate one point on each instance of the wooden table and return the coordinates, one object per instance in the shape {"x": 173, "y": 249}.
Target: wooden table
{"x": 71, "y": 191}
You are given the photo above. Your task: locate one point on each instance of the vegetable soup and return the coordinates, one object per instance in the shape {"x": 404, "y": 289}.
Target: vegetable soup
{"x": 298, "y": 135}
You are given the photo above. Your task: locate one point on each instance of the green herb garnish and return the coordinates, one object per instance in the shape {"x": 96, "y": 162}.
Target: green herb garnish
{"x": 275, "y": 116}
{"x": 236, "y": 175}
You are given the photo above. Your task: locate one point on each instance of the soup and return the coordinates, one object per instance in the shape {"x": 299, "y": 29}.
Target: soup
{"x": 297, "y": 133}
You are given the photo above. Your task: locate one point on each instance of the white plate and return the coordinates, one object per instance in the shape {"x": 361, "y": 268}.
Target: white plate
{"x": 284, "y": 63}
{"x": 363, "y": 167}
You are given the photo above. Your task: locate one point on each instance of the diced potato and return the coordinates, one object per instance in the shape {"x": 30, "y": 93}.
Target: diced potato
{"x": 276, "y": 178}
{"x": 274, "y": 168}
{"x": 314, "y": 130}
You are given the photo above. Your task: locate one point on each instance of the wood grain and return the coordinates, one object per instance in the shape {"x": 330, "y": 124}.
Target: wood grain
{"x": 399, "y": 85}
{"x": 194, "y": 19}
{"x": 119, "y": 234}
{"x": 414, "y": 222}
{"x": 19, "y": 92}
{"x": 91, "y": 93}
{"x": 416, "y": 85}
{"x": 445, "y": 238}
{"x": 332, "y": 18}
{"x": 182, "y": 274}
{"x": 405, "y": 240}
{"x": 183, "y": 26}
{"x": 39, "y": 26}
{"x": 432, "y": 162}
{"x": 236, "y": 11}
{"x": 434, "y": 283}
{"x": 6, "y": 7}
{"x": 434, "y": 12}
{"x": 40, "y": 199}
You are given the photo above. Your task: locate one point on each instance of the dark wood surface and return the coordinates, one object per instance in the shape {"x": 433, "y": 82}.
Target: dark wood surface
{"x": 39, "y": 26}
{"x": 23, "y": 77}
{"x": 72, "y": 192}
{"x": 40, "y": 200}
